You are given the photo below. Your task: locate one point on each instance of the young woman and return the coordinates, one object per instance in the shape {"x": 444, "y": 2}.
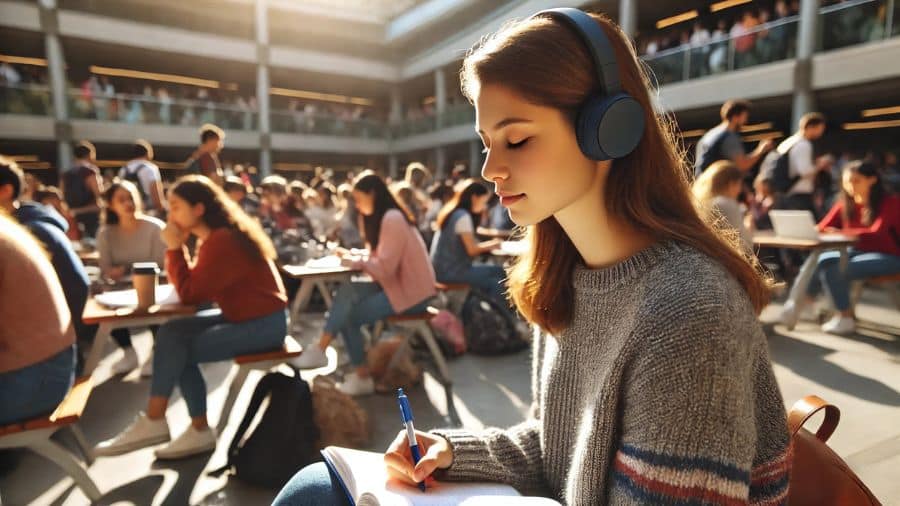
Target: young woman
{"x": 403, "y": 280}
{"x": 651, "y": 378}
{"x": 37, "y": 365}
{"x": 454, "y": 245}
{"x": 234, "y": 269}
{"x": 864, "y": 210}
{"x": 717, "y": 190}
{"x": 127, "y": 236}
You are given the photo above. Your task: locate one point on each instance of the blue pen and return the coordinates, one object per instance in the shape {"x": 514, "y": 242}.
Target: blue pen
{"x": 406, "y": 414}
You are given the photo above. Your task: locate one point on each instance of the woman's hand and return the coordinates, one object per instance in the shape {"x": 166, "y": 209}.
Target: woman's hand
{"x": 173, "y": 235}
{"x": 436, "y": 454}
{"x": 342, "y": 253}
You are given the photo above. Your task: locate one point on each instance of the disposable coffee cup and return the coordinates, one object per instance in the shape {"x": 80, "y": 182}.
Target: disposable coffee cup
{"x": 144, "y": 276}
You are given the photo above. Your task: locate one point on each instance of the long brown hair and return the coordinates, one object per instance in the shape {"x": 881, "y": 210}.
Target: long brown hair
{"x": 876, "y": 194}
{"x": 713, "y": 183}
{"x": 222, "y": 212}
{"x": 372, "y": 183}
{"x": 110, "y": 217}
{"x": 544, "y": 62}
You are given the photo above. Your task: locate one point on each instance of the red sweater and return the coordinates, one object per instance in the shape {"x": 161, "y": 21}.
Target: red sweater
{"x": 244, "y": 286}
{"x": 883, "y": 236}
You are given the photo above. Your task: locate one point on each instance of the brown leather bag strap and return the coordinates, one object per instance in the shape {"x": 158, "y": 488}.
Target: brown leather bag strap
{"x": 805, "y": 408}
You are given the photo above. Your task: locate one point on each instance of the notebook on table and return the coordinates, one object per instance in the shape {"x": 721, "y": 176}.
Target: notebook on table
{"x": 365, "y": 481}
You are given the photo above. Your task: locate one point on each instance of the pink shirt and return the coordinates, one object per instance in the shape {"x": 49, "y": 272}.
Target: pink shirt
{"x": 400, "y": 263}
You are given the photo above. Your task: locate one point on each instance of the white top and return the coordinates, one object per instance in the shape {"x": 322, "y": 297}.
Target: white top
{"x": 148, "y": 175}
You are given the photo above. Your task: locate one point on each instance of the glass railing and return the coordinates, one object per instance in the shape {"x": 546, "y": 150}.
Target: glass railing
{"x": 300, "y": 122}
{"x": 854, "y": 22}
{"x": 142, "y": 109}
{"x": 761, "y": 44}
{"x": 31, "y": 99}
{"x": 452, "y": 116}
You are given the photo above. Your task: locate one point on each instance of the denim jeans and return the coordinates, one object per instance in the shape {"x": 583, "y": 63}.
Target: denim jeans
{"x": 359, "y": 303}
{"x": 488, "y": 279}
{"x": 313, "y": 485}
{"x": 37, "y": 389}
{"x": 183, "y": 344}
{"x": 861, "y": 265}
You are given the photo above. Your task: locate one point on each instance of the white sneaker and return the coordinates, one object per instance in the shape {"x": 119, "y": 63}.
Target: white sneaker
{"x": 354, "y": 385}
{"x": 191, "y": 442}
{"x": 312, "y": 357}
{"x": 147, "y": 368}
{"x": 127, "y": 363}
{"x": 840, "y": 325}
{"x": 142, "y": 432}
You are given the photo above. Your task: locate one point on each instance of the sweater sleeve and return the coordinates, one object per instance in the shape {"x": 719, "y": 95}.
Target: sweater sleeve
{"x": 688, "y": 430}
{"x": 833, "y": 218}
{"x": 512, "y": 456}
{"x": 385, "y": 260}
{"x": 218, "y": 266}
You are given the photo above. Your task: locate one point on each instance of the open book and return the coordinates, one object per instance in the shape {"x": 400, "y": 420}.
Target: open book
{"x": 366, "y": 483}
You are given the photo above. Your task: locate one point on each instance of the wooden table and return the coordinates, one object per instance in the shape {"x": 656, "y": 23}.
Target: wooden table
{"x": 109, "y": 319}
{"x": 311, "y": 278}
{"x": 89, "y": 257}
{"x": 494, "y": 233}
{"x": 815, "y": 247}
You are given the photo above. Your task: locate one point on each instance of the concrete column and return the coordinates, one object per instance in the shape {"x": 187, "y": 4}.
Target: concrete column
{"x": 396, "y": 112}
{"x": 475, "y": 158}
{"x": 393, "y": 166}
{"x": 804, "y": 99}
{"x": 262, "y": 87}
{"x": 628, "y": 16}
{"x": 440, "y": 162}
{"x": 440, "y": 94}
{"x": 56, "y": 68}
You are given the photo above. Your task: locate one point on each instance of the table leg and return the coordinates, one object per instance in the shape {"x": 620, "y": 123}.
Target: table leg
{"x": 103, "y": 335}
{"x": 301, "y": 300}
{"x": 798, "y": 291}
{"x": 326, "y": 293}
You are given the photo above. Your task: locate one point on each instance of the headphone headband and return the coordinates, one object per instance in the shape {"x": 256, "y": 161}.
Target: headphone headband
{"x": 596, "y": 41}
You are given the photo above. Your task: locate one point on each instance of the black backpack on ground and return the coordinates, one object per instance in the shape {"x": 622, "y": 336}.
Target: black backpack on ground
{"x": 776, "y": 167}
{"x": 283, "y": 442}
{"x": 77, "y": 193}
{"x": 488, "y": 330}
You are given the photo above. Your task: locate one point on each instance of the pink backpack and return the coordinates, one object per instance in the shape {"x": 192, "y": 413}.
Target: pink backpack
{"x": 449, "y": 329}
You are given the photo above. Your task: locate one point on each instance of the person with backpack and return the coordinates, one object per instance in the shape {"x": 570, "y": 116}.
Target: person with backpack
{"x": 792, "y": 167}
{"x": 144, "y": 174}
{"x": 205, "y": 159}
{"x": 403, "y": 280}
{"x": 234, "y": 269}
{"x": 651, "y": 376}
{"x": 723, "y": 142}
{"x": 82, "y": 187}
{"x": 455, "y": 245}
{"x": 127, "y": 236}
{"x": 867, "y": 211}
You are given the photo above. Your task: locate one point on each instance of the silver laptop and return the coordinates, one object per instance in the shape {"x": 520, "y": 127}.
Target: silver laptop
{"x": 794, "y": 224}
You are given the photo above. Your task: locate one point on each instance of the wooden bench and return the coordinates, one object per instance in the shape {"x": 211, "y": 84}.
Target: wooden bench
{"x": 35, "y": 435}
{"x": 453, "y": 295}
{"x": 255, "y": 362}
{"x": 419, "y": 324}
{"x": 892, "y": 282}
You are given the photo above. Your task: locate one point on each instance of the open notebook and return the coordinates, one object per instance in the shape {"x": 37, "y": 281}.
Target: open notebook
{"x": 366, "y": 483}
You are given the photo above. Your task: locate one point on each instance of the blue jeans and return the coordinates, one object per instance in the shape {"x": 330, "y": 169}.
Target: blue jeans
{"x": 312, "y": 486}
{"x": 861, "y": 265}
{"x": 37, "y": 389}
{"x": 207, "y": 337}
{"x": 489, "y": 280}
{"x": 359, "y": 303}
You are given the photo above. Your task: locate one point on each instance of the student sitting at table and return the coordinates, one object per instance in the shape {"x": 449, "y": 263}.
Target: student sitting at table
{"x": 48, "y": 227}
{"x": 716, "y": 191}
{"x": 866, "y": 211}
{"x": 37, "y": 339}
{"x": 127, "y": 236}
{"x": 455, "y": 245}
{"x": 402, "y": 274}
{"x": 234, "y": 268}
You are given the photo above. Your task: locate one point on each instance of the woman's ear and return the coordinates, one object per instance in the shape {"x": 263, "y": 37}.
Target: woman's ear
{"x": 198, "y": 210}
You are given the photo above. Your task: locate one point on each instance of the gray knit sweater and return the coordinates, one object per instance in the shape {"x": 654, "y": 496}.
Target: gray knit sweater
{"x": 660, "y": 392}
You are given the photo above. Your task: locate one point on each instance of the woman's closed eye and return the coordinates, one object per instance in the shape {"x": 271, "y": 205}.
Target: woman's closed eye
{"x": 517, "y": 145}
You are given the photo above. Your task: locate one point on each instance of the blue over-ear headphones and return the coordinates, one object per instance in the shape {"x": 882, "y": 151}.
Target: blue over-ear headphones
{"x": 609, "y": 124}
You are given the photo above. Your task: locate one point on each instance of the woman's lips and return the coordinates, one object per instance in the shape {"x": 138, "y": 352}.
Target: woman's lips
{"x": 508, "y": 200}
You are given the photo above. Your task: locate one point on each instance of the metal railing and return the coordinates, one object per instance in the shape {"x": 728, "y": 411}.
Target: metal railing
{"x": 321, "y": 124}
{"x": 29, "y": 99}
{"x": 143, "y": 109}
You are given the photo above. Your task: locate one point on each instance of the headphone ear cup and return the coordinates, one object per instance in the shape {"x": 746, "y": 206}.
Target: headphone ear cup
{"x": 609, "y": 126}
